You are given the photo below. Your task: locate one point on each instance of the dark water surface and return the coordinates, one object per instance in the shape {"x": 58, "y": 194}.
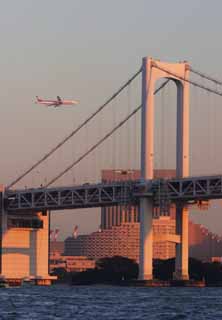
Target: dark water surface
{"x": 101, "y": 302}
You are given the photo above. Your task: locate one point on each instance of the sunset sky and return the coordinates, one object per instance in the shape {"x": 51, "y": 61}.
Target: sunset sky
{"x": 85, "y": 50}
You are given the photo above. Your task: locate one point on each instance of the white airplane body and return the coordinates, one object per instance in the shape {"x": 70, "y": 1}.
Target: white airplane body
{"x": 56, "y": 103}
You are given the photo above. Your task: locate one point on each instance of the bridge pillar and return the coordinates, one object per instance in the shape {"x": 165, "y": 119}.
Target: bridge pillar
{"x": 182, "y": 170}
{"x": 25, "y": 247}
{"x": 146, "y": 240}
{"x": 182, "y": 225}
{"x": 152, "y": 70}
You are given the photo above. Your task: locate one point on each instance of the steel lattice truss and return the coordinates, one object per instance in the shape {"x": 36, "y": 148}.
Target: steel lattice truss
{"x": 98, "y": 195}
{"x": 84, "y": 196}
{"x": 194, "y": 188}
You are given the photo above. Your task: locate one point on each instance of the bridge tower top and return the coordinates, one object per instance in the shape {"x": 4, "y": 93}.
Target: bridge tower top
{"x": 153, "y": 70}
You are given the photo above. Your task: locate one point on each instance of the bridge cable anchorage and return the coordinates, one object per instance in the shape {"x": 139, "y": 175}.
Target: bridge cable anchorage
{"x": 60, "y": 144}
{"x": 120, "y": 124}
{"x": 194, "y": 83}
{"x": 205, "y": 76}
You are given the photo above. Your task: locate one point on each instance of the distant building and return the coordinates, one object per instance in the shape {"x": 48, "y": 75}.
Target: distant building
{"x": 119, "y": 232}
{"x": 57, "y": 247}
{"x": 203, "y": 244}
{"x": 123, "y": 241}
{"x": 79, "y": 263}
{"x": 71, "y": 263}
{"x": 115, "y": 216}
{"x": 119, "y": 240}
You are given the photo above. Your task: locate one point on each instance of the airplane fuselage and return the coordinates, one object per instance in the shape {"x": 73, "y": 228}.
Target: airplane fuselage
{"x": 56, "y": 103}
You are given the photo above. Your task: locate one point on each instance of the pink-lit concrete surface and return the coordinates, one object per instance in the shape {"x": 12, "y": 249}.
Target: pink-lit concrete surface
{"x": 25, "y": 251}
{"x": 153, "y": 70}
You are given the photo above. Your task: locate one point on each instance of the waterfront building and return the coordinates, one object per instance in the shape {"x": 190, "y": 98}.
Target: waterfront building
{"x": 119, "y": 230}
{"x": 123, "y": 240}
{"x": 71, "y": 263}
{"x": 57, "y": 247}
{"x": 115, "y": 216}
{"x": 203, "y": 244}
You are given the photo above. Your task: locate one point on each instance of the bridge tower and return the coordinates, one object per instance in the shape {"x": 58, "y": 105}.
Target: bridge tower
{"x": 153, "y": 70}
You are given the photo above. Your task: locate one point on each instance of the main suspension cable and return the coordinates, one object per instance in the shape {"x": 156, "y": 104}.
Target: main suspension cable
{"x": 194, "y": 83}
{"x": 205, "y": 76}
{"x": 121, "y": 123}
{"x": 93, "y": 147}
{"x": 60, "y": 144}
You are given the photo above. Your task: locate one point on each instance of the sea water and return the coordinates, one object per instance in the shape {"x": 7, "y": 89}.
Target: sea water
{"x": 110, "y": 302}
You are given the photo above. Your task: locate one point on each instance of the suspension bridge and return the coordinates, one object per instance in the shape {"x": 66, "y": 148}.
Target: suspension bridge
{"x": 33, "y": 204}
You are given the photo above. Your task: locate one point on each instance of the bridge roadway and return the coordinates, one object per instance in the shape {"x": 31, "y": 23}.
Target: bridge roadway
{"x": 185, "y": 190}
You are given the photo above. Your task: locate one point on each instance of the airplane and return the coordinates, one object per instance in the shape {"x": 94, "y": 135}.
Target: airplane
{"x": 56, "y": 103}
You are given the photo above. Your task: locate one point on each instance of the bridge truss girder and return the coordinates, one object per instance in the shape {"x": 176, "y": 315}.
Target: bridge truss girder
{"x": 181, "y": 191}
{"x": 194, "y": 188}
{"x": 84, "y": 196}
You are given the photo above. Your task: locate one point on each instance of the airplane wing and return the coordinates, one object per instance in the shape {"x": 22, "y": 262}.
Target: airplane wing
{"x": 59, "y": 99}
{"x": 50, "y": 104}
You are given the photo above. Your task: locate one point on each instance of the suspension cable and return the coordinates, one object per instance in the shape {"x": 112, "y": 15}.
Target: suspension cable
{"x": 205, "y": 76}
{"x": 93, "y": 147}
{"x": 194, "y": 83}
{"x": 60, "y": 144}
{"x": 121, "y": 123}
{"x": 162, "y": 86}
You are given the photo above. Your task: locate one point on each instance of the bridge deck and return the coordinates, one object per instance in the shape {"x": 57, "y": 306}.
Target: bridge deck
{"x": 84, "y": 196}
{"x": 109, "y": 194}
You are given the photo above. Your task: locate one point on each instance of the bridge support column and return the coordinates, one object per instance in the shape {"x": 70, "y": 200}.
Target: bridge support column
{"x": 147, "y": 149}
{"x": 182, "y": 248}
{"x": 24, "y": 247}
{"x": 146, "y": 240}
{"x": 182, "y": 170}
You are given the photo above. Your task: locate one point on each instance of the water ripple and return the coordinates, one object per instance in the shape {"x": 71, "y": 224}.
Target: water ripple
{"x": 110, "y": 303}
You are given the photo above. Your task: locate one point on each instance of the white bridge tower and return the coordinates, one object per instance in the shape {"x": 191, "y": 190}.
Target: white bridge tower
{"x": 153, "y": 70}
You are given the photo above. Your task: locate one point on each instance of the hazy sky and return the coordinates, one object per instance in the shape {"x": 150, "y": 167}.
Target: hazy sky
{"x": 85, "y": 49}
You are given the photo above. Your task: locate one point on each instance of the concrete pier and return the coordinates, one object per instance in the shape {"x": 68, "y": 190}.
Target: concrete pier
{"x": 146, "y": 240}
{"x": 25, "y": 247}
